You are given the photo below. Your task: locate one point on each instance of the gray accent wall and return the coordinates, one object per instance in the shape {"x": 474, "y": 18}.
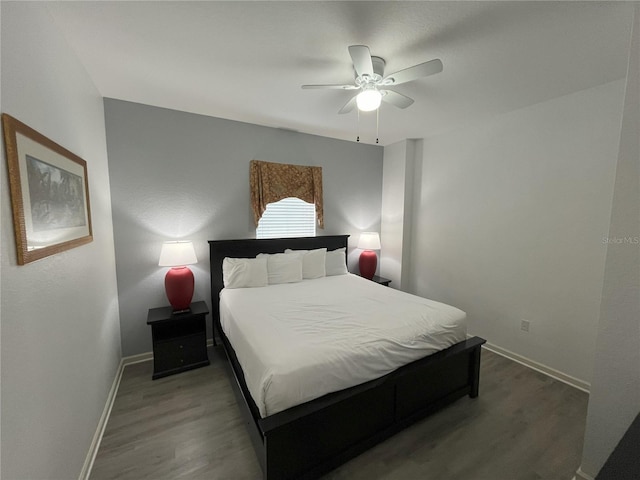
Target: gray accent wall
{"x": 177, "y": 175}
{"x": 60, "y": 328}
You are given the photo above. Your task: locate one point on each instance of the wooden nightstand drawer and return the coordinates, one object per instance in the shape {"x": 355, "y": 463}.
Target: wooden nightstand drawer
{"x": 180, "y": 328}
{"x": 179, "y": 341}
{"x": 179, "y": 353}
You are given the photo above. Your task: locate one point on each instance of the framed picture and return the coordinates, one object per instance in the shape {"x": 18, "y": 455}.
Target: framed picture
{"x": 49, "y": 193}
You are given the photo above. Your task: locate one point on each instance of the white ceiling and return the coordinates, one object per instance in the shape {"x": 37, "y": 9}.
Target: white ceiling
{"x": 246, "y": 61}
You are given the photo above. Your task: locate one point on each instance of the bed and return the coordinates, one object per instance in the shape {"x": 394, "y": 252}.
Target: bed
{"x": 305, "y": 440}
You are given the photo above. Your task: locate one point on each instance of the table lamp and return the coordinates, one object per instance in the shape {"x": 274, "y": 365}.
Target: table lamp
{"x": 178, "y": 282}
{"x": 369, "y": 241}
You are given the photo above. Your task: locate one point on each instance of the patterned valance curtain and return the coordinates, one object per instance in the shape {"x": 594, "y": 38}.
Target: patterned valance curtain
{"x": 271, "y": 182}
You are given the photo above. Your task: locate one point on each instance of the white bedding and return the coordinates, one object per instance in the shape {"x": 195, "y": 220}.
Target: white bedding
{"x": 299, "y": 341}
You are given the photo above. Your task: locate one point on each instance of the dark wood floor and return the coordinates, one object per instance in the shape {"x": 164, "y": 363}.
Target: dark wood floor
{"x": 523, "y": 426}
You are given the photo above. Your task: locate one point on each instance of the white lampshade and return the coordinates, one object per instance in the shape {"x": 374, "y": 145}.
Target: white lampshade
{"x": 177, "y": 254}
{"x": 368, "y": 100}
{"x": 369, "y": 241}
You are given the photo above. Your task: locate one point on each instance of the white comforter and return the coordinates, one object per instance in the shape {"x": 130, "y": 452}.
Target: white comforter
{"x": 299, "y": 341}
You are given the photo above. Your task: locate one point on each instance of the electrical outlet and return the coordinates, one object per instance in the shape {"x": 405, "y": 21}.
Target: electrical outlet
{"x": 524, "y": 325}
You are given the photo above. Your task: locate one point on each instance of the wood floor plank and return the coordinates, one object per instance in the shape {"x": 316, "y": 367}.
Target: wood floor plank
{"x": 523, "y": 426}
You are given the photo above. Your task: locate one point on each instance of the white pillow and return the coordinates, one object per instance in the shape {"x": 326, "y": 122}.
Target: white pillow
{"x": 313, "y": 262}
{"x": 244, "y": 272}
{"x": 283, "y": 268}
{"x": 335, "y": 262}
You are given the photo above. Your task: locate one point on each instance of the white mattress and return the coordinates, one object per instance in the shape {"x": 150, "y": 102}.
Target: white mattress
{"x": 299, "y": 341}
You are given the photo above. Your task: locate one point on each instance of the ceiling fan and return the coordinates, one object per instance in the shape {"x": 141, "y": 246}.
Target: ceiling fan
{"x": 372, "y": 83}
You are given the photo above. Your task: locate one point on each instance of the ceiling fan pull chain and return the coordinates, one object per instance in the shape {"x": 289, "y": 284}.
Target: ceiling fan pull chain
{"x": 377, "y": 123}
{"x": 358, "y": 137}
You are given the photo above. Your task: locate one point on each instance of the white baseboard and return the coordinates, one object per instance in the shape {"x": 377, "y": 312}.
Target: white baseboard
{"x": 142, "y": 357}
{"x": 104, "y": 418}
{"x": 102, "y": 423}
{"x": 580, "y": 475}
{"x": 539, "y": 367}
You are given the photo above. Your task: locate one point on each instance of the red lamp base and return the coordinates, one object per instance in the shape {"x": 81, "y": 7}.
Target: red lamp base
{"x": 179, "y": 286}
{"x": 368, "y": 263}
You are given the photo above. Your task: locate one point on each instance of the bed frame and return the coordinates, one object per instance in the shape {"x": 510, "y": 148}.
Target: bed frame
{"x": 308, "y": 440}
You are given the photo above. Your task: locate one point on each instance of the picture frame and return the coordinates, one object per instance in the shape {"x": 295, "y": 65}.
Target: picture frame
{"x": 49, "y": 193}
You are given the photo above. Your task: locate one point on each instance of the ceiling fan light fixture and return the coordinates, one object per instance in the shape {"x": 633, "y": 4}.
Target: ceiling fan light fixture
{"x": 368, "y": 100}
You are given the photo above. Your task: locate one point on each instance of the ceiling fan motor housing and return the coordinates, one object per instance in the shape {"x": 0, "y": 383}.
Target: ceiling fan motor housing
{"x": 378, "y": 72}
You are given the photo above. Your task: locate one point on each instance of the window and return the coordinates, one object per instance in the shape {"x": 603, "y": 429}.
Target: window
{"x": 289, "y": 217}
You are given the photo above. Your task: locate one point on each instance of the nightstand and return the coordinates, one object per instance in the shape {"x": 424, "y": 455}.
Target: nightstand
{"x": 179, "y": 340}
{"x": 381, "y": 280}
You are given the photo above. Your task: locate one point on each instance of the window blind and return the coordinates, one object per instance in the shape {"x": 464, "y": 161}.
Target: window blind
{"x": 289, "y": 217}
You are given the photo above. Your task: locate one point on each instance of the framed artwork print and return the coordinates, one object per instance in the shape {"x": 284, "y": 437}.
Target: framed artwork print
{"x": 49, "y": 193}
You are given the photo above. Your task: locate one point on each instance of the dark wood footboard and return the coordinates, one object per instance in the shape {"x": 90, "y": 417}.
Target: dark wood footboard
{"x": 308, "y": 440}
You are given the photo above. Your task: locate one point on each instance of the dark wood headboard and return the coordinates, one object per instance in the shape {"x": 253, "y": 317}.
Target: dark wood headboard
{"x": 250, "y": 247}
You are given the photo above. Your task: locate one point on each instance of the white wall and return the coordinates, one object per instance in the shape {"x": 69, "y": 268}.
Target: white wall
{"x": 60, "y": 329}
{"x": 509, "y": 219}
{"x": 615, "y": 394}
{"x": 393, "y": 218}
{"x": 397, "y": 211}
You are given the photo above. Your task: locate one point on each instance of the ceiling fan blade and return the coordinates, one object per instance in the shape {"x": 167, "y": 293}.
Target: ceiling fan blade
{"x": 413, "y": 73}
{"x": 361, "y": 57}
{"x": 397, "y": 99}
{"x": 332, "y": 87}
{"x": 348, "y": 106}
